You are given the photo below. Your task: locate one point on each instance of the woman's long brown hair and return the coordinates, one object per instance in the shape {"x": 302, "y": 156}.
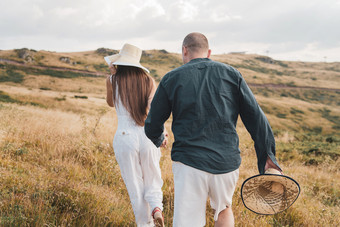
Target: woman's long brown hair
{"x": 134, "y": 89}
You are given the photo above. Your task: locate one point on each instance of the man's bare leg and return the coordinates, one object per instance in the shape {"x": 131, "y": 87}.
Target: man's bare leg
{"x": 225, "y": 218}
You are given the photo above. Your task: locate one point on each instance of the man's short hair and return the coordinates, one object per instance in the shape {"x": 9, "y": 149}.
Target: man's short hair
{"x": 196, "y": 42}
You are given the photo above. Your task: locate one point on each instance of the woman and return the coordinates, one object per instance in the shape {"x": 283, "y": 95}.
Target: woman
{"x": 130, "y": 90}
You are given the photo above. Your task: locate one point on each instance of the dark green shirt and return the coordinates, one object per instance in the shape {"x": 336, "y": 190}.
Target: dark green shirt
{"x": 205, "y": 98}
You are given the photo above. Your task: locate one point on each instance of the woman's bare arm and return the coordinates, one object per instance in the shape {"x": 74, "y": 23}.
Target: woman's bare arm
{"x": 152, "y": 93}
{"x": 109, "y": 92}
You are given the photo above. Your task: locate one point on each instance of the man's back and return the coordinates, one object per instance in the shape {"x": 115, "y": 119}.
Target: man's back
{"x": 204, "y": 98}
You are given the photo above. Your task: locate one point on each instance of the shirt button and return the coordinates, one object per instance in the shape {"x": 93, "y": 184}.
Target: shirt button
{"x": 123, "y": 133}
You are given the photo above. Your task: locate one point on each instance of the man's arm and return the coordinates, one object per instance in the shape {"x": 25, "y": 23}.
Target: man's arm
{"x": 258, "y": 126}
{"x": 159, "y": 112}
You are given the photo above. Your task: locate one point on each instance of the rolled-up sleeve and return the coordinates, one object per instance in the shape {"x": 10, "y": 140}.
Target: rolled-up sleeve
{"x": 257, "y": 125}
{"x": 159, "y": 112}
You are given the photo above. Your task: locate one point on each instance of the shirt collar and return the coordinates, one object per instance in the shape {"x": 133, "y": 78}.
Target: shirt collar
{"x": 195, "y": 60}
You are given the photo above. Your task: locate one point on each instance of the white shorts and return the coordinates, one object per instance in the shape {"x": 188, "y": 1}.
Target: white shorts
{"x": 192, "y": 189}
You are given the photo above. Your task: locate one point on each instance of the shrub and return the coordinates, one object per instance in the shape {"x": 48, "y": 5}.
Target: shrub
{"x": 281, "y": 115}
{"x": 45, "y": 88}
{"x": 106, "y": 51}
{"x": 81, "y": 97}
{"x": 296, "y": 111}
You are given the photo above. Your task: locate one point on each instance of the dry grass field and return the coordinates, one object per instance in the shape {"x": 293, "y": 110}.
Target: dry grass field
{"x": 57, "y": 165}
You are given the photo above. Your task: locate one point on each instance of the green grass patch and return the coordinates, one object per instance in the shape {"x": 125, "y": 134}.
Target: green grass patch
{"x": 4, "y": 97}
{"x": 310, "y": 148}
{"x": 326, "y": 97}
{"x": 48, "y": 72}
{"x": 56, "y": 73}
{"x": 254, "y": 66}
{"x": 161, "y": 58}
{"x": 296, "y": 111}
{"x": 11, "y": 75}
{"x": 102, "y": 68}
{"x": 326, "y": 113}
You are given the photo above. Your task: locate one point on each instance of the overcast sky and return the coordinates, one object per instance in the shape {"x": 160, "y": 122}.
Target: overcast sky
{"x": 307, "y": 30}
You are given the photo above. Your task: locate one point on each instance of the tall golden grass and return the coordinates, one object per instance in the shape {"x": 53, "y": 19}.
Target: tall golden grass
{"x": 57, "y": 168}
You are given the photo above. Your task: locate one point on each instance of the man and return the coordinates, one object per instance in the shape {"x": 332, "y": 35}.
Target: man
{"x": 205, "y": 98}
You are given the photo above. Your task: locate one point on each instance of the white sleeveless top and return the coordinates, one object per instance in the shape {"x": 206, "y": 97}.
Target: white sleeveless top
{"x": 125, "y": 121}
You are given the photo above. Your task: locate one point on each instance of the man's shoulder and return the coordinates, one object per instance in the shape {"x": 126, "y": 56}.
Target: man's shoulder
{"x": 176, "y": 73}
{"x": 224, "y": 65}
{"x": 222, "y": 69}
{"x": 208, "y": 62}
{"x": 173, "y": 74}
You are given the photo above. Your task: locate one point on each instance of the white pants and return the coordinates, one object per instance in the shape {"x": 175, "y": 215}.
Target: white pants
{"x": 192, "y": 189}
{"x": 138, "y": 159}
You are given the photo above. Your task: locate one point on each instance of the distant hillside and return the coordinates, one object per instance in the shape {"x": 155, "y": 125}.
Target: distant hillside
{"x": 255, "y": 68}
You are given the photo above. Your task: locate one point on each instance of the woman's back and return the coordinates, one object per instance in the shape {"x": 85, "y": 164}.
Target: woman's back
{"x": 132, "y": 89}
{"x": 125, "y": 120}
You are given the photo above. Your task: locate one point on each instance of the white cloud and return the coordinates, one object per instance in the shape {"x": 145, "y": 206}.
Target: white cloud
{"x": 283, "y": 28}
{"x": 64, "y": 12}
{"x": 153, "y": 7}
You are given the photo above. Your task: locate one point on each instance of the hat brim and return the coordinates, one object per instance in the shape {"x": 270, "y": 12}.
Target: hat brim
{"x": 118, "y": 59}
{"x": 272, "y": 202}
{"x": 111, "y": 58}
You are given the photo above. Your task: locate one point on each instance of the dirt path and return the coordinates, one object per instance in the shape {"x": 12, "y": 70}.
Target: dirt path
{"x": 273, "y": 86}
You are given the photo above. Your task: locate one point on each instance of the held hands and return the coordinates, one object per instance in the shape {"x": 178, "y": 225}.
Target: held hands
{"x": 166, "y": 136}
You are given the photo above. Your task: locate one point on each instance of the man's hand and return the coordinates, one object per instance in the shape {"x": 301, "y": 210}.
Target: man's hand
{"x": 271, "y": 164}
{"x": 165, "y": 141}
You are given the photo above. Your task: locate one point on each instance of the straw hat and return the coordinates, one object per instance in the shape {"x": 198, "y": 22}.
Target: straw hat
{"x": 129, "y": 55}
{"x": 269, "y": 193}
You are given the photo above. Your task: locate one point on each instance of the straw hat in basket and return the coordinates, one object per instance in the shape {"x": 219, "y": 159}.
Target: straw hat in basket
{"x": 269, "y": 193}
{"x": 129, "y": 55}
